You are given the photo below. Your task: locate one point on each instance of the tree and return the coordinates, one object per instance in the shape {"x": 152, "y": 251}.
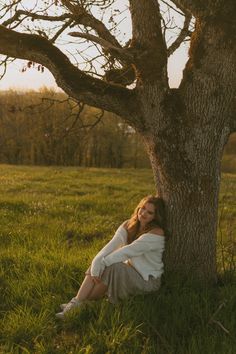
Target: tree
{"x": 48, "y": 128}
{"x": 184, "y": 130}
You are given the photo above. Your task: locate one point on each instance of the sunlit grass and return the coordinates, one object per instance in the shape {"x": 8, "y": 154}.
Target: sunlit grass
{"x": 53, "y": 221}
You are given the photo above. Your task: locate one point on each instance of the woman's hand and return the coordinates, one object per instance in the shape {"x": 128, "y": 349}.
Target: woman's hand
{"x": 96, "y": 280}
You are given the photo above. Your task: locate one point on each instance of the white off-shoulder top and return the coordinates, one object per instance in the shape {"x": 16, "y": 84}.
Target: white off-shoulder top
{"x": 144, "y": 254}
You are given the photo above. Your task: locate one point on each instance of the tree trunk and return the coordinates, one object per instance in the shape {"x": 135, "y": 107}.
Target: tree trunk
{"x": 192, "y": 206}
{"x": 186, "y": 167}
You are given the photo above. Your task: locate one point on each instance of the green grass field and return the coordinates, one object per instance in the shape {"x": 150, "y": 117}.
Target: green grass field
{"x": 41, "y": 266}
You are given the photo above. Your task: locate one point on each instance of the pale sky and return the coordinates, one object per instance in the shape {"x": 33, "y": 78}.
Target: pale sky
{"x": 33, "y": 79}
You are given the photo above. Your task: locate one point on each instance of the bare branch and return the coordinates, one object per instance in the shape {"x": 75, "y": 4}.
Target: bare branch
{"x": 86, "y": 127}
{"x": 217, "y": 311}
{"x": 61, "y": 30}
{"x": 8, "y": 7}
{"x": 183, "y": 34}
{"x": 73, "y": 81}
{"x": 81, "y": 16}
{"x": 172, "y": 7}
{"x": 4, "y": 63}
{"x": 120, "y": 52}
{"x": 221, "y": 326}
{"x": 35, "y": 16}
{"x": 213, "y": 320}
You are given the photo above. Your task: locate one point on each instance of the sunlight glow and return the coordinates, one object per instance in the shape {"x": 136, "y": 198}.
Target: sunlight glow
{"x": 34, "y": 79}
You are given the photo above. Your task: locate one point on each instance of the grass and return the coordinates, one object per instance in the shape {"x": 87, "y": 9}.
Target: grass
{"x": 53, "y": 221}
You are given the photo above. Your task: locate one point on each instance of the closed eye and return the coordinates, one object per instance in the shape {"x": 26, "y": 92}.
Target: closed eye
{"x": 149, "y": 212}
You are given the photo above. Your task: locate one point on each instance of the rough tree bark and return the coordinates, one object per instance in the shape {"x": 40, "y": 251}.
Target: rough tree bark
{"x": 184, "y": 130}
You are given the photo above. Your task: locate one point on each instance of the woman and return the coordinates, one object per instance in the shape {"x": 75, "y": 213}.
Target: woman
{"x": 131, "y": 263}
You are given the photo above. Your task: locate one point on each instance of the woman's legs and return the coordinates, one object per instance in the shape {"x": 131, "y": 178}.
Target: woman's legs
{"x": 85, "y": 288}
{"x": 89, "y": 290}
{"x": 98, "y": 291}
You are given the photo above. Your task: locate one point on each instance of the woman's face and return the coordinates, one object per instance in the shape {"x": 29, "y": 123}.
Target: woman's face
{"x": 146, "y": 213}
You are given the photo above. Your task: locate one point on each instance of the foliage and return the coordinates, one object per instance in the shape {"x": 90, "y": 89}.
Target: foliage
{"x": 42, "y": 128}
{"x": 53, "y": 221}
{"x": 48, "y": 128}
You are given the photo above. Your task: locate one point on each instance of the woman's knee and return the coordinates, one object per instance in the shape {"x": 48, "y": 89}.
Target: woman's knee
{"x": 119, "y": 265}
{"x": 113, "y": 268}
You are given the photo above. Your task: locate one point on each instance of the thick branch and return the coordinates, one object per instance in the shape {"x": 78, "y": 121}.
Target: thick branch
{"x": 73, "y": 81}
{"x": 77, "y": 14}
{"x": 148, "y": 42}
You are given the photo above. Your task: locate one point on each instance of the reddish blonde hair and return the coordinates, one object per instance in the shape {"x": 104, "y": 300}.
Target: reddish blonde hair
{"x": 133, "y": 224}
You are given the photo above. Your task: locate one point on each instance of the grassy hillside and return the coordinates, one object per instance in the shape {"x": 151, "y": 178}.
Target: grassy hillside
{"x": 53, "y": 221}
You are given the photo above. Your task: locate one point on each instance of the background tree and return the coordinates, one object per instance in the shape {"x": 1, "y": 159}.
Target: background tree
{"x": 47, "y": 128}
{"x": 184, "y": 130}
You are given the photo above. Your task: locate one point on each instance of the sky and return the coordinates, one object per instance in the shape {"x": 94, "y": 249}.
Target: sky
{"x": 34, "y": 79}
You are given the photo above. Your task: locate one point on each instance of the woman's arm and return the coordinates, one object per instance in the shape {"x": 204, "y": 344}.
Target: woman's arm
{"x": 118, "y": 240}
{"x": 143, "y": 244}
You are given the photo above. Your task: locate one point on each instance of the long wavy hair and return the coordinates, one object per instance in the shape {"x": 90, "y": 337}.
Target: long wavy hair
{"x": 133, "y": 224}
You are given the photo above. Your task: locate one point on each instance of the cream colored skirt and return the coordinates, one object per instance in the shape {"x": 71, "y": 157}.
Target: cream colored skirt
{"x": 123, "y": 280}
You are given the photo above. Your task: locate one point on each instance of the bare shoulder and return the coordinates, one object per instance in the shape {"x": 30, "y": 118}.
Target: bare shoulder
{"x": 157, "y": 231}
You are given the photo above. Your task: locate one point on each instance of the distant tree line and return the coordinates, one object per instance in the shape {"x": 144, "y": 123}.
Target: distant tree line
{"x": 47, "y": 128}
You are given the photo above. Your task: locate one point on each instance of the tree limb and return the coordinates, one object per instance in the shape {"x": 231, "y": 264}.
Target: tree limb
{"x": 73, "y": 81}
{"x": 120, "y": 52}
{"x": 4, "y": 63}
{"x": 82, "y": 17}
{"x": 61, "y": 30}
{"x": 183, "y": 34}
{"x": 77, "y": 13}
{"x": 35, "y": 16}
{"x": 148, "y": 43}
